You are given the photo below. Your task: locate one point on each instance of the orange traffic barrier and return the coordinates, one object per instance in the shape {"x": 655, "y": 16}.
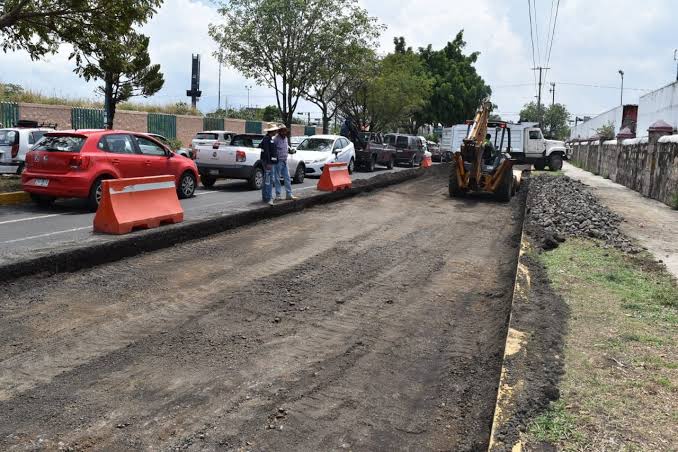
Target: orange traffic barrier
{"x": 427, "y": 162}
{"x": 335, "y": 177}
{"x": 141, "y": 202}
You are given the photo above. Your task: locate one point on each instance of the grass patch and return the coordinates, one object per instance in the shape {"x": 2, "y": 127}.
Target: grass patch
{"x": 621, "y": 375}
{"x": 9, "y": 184}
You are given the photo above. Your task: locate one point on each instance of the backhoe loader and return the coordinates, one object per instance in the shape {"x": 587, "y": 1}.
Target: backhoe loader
{"x": 473, "y": 170}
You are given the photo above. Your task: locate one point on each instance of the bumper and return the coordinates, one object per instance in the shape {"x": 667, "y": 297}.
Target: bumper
{"x": 59, "y": 185}
{"x": 10, "y": 167}
{"x": 226, "y": 171}
{"x": 315, "y": 168}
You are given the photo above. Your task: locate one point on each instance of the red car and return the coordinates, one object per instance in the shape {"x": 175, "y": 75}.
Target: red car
{"x": 72, "y": 164}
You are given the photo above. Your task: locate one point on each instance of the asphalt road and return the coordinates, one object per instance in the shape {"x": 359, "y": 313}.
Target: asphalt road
{"x": 28, "y": 230}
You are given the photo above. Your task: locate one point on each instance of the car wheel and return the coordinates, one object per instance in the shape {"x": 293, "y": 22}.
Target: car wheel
{"x": 95, "y": 194}
{"x": 41, "y": 200}
{"x": 257, "y": 179}
{"x": 411, "y": 162}
{"x": 540, "y": 165}
{"x": 391, "y": 163}
{"x": 556, "y": 162}
{"x": 187, "y": 185}
{"x": 372, "y": 165}
{"x": 20, "y": 169}
{"x": 208, "y": 181}
{"x": 351, "y": 166}
{"x": 300, "y": 174}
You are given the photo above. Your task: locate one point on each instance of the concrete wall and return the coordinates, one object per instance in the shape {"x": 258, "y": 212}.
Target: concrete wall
{"x": 135, "y": 121}
{"x": 660, "y": 104}
{"x": 650, "y": 168}
{"x": 589, "y": 128}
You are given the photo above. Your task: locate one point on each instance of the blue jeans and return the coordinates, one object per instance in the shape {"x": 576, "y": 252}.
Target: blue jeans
{"x": 267, "y": 187}
{"x": 280, "y": 170}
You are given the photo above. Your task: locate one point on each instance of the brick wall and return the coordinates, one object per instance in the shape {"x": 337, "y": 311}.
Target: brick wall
{"x": 134, "y": 121}
{"x": 187, "y": 127}
{"x": 55, "y": 114}
{"x": 235, "y": 125}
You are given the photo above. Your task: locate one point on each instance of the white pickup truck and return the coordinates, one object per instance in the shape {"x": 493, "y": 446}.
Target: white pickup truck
{"x": 240, "y": 159}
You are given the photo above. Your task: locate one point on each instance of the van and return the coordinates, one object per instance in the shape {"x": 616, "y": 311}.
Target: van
{"x": 409, "y": 149}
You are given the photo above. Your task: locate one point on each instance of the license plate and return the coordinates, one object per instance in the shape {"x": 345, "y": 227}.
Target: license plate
{"x": 41, "y": 182}
{"x": 214, "y": 172}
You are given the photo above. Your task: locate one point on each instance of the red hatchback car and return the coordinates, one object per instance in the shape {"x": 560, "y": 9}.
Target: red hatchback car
{"x": 72, "y": 164}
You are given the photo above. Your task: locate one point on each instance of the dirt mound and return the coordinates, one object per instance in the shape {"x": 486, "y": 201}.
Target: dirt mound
{"x": 560, "y": 207}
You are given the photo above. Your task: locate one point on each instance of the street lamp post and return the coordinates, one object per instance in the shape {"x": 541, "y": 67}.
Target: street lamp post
{"x": 622, "y": 87}
{"x": 248, "y": 88}
{"x": 675, "y": 58}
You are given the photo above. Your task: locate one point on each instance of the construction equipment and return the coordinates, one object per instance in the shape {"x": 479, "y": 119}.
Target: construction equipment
{"x": 473, "y": 170}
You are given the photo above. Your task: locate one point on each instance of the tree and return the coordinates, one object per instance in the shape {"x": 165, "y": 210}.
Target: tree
{"x": 606, "y": 131}
{"x": 282, "y": 44}
{"x": 270, "y": 114}
{"x": 458, "y": 90}
{"x": 39, "y": 26}
{"x": 125, "y": 67}
{"x": 555, "y": 119}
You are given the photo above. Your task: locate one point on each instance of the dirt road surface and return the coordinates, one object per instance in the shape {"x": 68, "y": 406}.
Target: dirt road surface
{"x": 376, "y": 323}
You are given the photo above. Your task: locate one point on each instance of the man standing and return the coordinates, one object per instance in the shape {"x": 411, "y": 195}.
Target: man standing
{"x": 269, "y": 157}
{"x": 280, "y": 169}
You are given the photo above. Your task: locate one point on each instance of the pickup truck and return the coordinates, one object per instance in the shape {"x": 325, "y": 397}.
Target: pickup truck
{"x": 375, "y": 152}
{"x": 240, "y": 159}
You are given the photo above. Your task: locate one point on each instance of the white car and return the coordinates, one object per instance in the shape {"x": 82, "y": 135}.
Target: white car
{"x": 211, "y": 138}
{"x": 296, "y": 141}
{"x": 15, "y": 142}
{"x": 318, "y": 150}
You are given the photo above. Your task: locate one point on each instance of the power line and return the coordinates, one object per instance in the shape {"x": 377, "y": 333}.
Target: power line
{"x": 553, "y": 34}
{"x": 534, "y": 62}
{"x": 602, "y": 86}
{"x": 536, "y": 29}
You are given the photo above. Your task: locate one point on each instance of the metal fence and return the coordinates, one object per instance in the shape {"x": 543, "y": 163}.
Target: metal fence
{"x": 9, "y": 114}
{"x": 165, "y": 125}
{"x": 213, "y": 123}
{"x": 87, "y": 118}
{"x": 253, "y": 127}
{"x": 309, "y": 130}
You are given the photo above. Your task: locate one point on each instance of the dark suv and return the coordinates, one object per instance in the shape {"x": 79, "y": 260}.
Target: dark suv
{"x": 374, "y": 151}
{"x": 409, "y": 149}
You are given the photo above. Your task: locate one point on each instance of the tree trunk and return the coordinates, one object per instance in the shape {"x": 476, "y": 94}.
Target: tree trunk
{"x": 109, "y": 103}
{"x": 326, "y": 120}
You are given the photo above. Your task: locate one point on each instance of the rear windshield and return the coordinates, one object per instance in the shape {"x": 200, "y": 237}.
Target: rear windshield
{"x": 8, "y": 137}
{"x": 206, "y": 136}
{"x": 402, "y": 142}
{"x": 60, "y": 143}
{"x": 247, "y": 141}
{"x": 389, "y": 139}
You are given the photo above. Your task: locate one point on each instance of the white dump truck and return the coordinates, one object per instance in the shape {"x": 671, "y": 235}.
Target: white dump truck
{"x": 525, "y": 143}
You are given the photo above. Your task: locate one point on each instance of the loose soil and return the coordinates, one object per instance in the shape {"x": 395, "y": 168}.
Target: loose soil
{"x": 10, "y": 184}
{"x": 376, "y": 323}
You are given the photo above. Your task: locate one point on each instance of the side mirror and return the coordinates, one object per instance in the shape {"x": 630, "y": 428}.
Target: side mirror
{"x": 292, "y": 151}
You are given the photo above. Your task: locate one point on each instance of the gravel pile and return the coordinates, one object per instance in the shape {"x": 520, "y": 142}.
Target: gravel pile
{"x": 559, "y": 207}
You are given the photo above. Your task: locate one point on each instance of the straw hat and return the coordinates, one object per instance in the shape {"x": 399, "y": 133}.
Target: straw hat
{"x": 271, "y": 127}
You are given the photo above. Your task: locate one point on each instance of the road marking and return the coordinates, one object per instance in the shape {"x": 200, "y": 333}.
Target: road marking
{"x": 207, "y": 193}
{"x": 46, "y": 235}
{"x": 31, "y": 218}
{"x": 304, "y": 188}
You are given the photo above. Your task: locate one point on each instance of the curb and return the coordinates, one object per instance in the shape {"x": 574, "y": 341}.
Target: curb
{"x": 15, "y": 197}
{"x": 168, "y": 236}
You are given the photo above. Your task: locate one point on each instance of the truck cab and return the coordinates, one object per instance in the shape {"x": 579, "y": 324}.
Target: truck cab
{"x": 539, "y": 151}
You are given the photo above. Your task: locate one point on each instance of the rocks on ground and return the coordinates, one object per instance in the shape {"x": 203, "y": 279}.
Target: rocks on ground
{"x": 559, "y": 207}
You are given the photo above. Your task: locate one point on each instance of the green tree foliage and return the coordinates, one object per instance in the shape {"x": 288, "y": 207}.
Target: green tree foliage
{"x": 124, "y": 65}
{"x": 40, "y": 26}
{"x": 606, "y": 132}
{"x": 458, "y": 90}
{"x": 555, "y": 119}
{"x": 283, "y": 44}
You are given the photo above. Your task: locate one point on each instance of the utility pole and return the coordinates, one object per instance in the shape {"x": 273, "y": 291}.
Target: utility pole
{"x": 219, "y": 96}
{"x": 621, "y": 96}
{"x": 553, "y": 93}
{"x": 540, "y": 69}
{"x": 675, "y": 58}
{"x": 248, "y": 88}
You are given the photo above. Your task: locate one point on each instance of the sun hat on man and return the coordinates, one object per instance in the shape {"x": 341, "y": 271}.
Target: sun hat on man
{"x": 271, "y": 127}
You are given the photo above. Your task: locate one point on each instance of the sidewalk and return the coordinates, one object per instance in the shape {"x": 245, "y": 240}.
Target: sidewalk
{"x": 651, "y": 223}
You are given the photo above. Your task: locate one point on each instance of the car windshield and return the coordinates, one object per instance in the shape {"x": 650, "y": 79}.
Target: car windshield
{"x": 389, "y": 139}
{"x": 316, "y": 144}
{"x": 296, "y": 140}
{"x": 8, "y": 137}
{"x": 60, "y": 143}
{"x": 402, "y": 142}
{"x": 248, "y": 141}
{"x": 206, "y": 136}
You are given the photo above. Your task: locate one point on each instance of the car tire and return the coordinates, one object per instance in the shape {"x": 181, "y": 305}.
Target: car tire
{"x": 208, "y": 181}
{"x": 187, "y": 184}
{"x": 540, "y": 165}
{"x": 95, "y": 194}
{"x": 351, "y": 166}
{"x": 411, "y": 163}
{"x": 455, "y": 191}
{"x": 505, "y": 189}
{"x": 20, "y": 169}
{"x": 42, "y": 200}
{"x": 257, "y": 180}
{"x": 391, "y": 163}
{"x": 372, "y": 165}
{"x": 556, "y": 162}
{"x": 300, "y": 174}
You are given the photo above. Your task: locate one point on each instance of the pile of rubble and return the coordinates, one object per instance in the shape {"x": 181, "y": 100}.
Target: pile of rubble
{"x": 559, "y": 207}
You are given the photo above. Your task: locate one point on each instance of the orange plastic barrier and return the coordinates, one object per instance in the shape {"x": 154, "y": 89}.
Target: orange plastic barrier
{"x": 141, "y": 202}
{"x": 427, "y": 162}
{"x": 335, "y": 177}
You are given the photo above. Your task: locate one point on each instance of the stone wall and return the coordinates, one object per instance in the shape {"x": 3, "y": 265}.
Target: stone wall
{"x": 135, "y": 121}
{"x": 648, "y": 167}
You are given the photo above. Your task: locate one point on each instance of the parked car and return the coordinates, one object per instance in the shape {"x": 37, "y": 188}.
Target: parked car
{"x": 375, "y": 152}
{"x": 317, "y": 150}
{"x": 210, "y": 137}
{"x": 436, "y": 152}
{"x": 15, "y": 142}
{"x": 188, "y": 153}
{"x": 240, "y": 159}
{"x": 409, "y": 149}
{"x": 296, "y": 141}
{"x": 72, "y": 164}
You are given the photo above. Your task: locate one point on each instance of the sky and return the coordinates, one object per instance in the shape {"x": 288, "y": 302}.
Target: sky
{"x": 592, "y": 42}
